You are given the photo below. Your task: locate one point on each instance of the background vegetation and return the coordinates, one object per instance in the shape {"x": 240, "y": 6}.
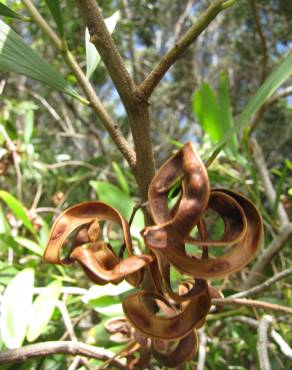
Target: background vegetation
{"x": 55, "y": 152}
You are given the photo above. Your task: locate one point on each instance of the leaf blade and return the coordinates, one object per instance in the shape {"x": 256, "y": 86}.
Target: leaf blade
{"x": 42, "y": 310}
{"x": 15, "y": 316}
{"x": 17, "y": 57}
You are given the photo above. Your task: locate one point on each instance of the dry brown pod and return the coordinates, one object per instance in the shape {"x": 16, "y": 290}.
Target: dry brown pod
{"x": 96, "y": 257}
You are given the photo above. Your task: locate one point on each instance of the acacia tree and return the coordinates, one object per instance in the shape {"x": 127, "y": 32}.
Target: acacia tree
{"x": 135, "y": 98}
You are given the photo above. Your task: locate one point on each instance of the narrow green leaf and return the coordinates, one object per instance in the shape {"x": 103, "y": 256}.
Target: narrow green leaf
{"x": 54, "y": 6}
{"x": 42, "y": 310}
{"x": 92, "y": 55}
{"x": 280, "y": 74}
{"x": 7, "y": 12}
{"x": 15, "y": 308}
{"x": 29, "y": 244}
{"x": 4, "y": 225}
{"x": 121, "y": 178}
{"x": 28, "y": 125}
{"x": 98, "y": 291}
{"x": 16, "y": 56}
{"x": 112, "y": 195}
{"x": 206, "y": 109}
{"x": 17, "y": 209}
{"x": 226, "y": 120}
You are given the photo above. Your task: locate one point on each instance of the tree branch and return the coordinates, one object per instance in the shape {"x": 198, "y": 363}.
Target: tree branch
{"x": 251, "y": 303}
{"x": 268, "y": 253}
{"x": 61, "y": 347}
{"x": 264, "y": 286}
{"x": 263, "y": 342}
{"x": 147, "y": 87}
{"x": 267, "y": 183}
{"x": 108, "y": 123}
{"x": 108, "y": 51}
{"x": 262, "y": 39}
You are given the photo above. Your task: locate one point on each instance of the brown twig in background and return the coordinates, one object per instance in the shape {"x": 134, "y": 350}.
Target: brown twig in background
{"x": 264, "y": 286}
{"x": 268, "y": 253}
{"x": 149, "y": 84}
{"x": 267, "y": 183}
{"x": 260, "y": 32}
{"x": 252, "y": 303}
{"x": 58, "y": 347}
{"x": 263, "y": 342}
{"x": 108, "y": 123}
{"x": 202, "y": 349}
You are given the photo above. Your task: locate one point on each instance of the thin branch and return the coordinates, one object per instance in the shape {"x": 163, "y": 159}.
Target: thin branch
{"x": 262, "y": 344}
{"x": 262, "y": 39}
{"x": 268, "y": 253}
{"x": 252, "y": 303}
{"x": 149, "y": 84}
{"x": 257, "y": 117}
{"x": 181, "y": 20}
{"x": 67, "y": 320}
{"x": 267, "y": 183}
{"x": 108, "y": 50}
{"x": 264, "y": 286}
{"x": 202, "y": 350}
{"x": 283, "y": 345}
{"x": 60, "y": 347}
{"x": 108, "y": 123}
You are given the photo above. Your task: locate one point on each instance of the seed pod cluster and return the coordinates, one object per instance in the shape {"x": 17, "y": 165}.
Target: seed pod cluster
{"x": 165, "y": 320}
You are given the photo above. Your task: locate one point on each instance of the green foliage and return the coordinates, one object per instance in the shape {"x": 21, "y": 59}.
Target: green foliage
{"x": 54, "y": 6}
{"x": 42, "y": 310}
{"x": 17, "y": 209}
{"x": 7, "y": 12}
{"x": 92, "y": 56}
{"x": 15, "y": 308}
{"x": 16, "y": 56}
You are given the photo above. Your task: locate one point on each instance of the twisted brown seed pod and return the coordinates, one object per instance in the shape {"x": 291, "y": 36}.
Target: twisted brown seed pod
{"x": 98, "y": 259}
{"x": 136, "y": 309}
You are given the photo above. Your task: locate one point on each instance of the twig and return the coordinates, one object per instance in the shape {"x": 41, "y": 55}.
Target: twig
{"x": 283, "y": 345}
{"x": 286, "y": 350}
{"x": 16, "y": 161}
{"x": 135, "y": 105}
{"x": 265, "y": 285}
{"x": 252, "y": 303}
{"x": 202, "y": 350}
{"x": 108, "y": 123}
{"x": 148, "y": 85}
{"x": 267, "y": 183}
{"x": 262, "y": 344}
{"x": 60, "y": 347}
{"x": 181, "y": 19}
{"x": 268, "y": 253}
{"x": 262, "y": 39}
{"x": 67, "y": 321}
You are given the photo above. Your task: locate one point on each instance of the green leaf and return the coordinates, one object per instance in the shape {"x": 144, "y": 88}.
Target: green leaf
{"x": 7, "y": 12}
{"x": 226, "y": 120}
{"x": 92, "y": 55}
{"x": 280, "y": 74}
{"x": 28, "y": 125}
{"x": 112, "y": 195}
{"x": 54, "y": 6}
{"x": 99, "y": 291}
{"x": 16, "y": 56}
{"x": 4, "y": 225}
{"x": 42, "y": 310}
{"x": 15, "y": 308}
{"x": 17, "y": 209}
{"x": 29, "y": 244}
{"x": 121, "y": 178}
{"x": 206, "y": 109}
{"x": 115, "y": 197}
